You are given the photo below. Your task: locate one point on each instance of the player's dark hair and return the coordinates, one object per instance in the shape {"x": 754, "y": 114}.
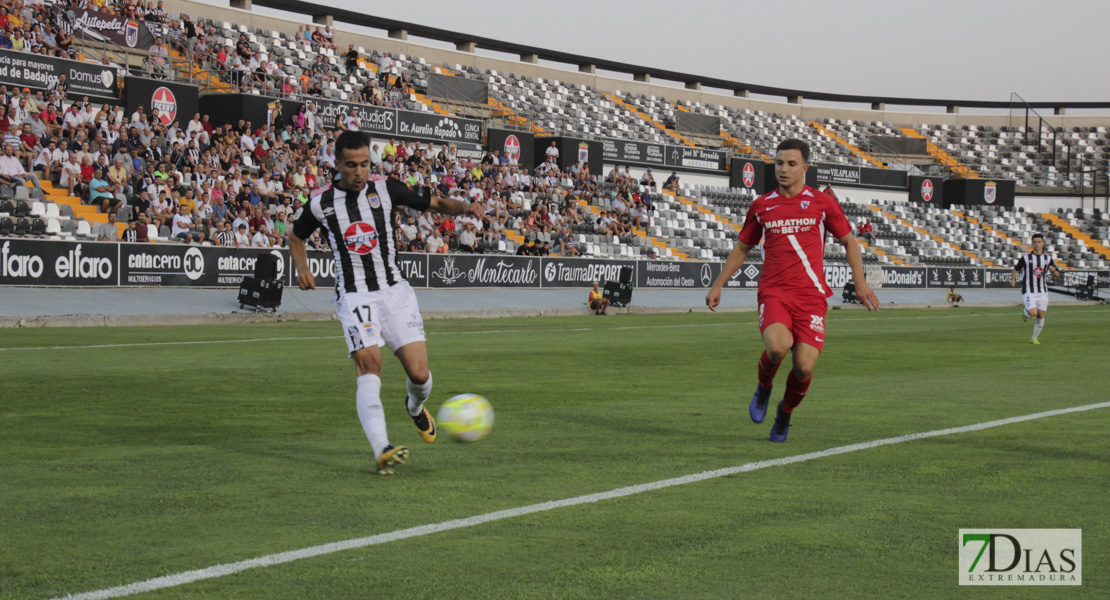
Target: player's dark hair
{"x": 795, "y": 144}
{"x": 350, "y": 140}
{"x": 1037, "y": 235}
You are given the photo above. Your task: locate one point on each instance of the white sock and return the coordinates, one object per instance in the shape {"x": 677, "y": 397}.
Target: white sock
{"x": 368, "y": 401}
{"x": 1037, "y": 328}
{"x": 418, "y": 394}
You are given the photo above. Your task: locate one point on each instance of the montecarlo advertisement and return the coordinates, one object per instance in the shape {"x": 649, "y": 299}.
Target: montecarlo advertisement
{"x": 35, "y": 71}
{"x": 659, "y": 155}
{"x": 469, "y": 270}
{"x": 406, "y": 124}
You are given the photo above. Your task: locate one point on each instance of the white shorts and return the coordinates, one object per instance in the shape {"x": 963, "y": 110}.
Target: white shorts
{"x": 389, "y": 317}
{"x": 1037, "y": 301}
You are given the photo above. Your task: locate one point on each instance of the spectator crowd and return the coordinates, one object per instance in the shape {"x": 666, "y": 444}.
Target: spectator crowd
{"x": 243, "y": 184}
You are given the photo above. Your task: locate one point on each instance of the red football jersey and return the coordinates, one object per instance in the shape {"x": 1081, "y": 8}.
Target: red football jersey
{"x": 794, "y": 244}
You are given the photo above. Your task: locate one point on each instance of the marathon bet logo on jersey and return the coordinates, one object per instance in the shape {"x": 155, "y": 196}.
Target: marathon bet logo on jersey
{"x": 1021, "y": 557}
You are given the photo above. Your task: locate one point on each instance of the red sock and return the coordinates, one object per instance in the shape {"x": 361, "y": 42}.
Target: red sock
{"x": 767, "y": 370}
{"x": 795, "y": 392}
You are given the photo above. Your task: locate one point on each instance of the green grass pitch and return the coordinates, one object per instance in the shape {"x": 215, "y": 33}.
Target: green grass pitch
{"x": 150, "y": 456}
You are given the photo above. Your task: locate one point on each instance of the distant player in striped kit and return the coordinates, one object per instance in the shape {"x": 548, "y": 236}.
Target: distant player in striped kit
{"x": 1034, "y": 290}
{"x": 376, "y": 305}
{"x": 793, "y": 294}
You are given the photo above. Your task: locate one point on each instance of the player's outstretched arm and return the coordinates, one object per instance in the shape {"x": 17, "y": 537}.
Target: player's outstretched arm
{"x": 864, "y": 292}
{"x": 732, "y": 264}
{"x": 305, "y": 280}
{"x": 447, "y": 206}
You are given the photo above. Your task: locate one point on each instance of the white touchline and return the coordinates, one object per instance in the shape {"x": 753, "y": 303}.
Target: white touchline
{"x": 501, "y": 331}
{"x": 382, "y": 538}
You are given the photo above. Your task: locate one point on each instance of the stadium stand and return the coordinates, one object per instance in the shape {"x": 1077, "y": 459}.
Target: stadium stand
{"x": 605, "y": 217}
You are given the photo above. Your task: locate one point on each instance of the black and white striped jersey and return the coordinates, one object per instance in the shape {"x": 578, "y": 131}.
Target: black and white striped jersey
{"x": 1034, "y": 267}
{"x": 360, "y": 231}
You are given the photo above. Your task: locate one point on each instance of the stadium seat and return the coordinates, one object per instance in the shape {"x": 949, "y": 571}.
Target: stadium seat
{"x": 38, "y": 227}
{"x": 7, "y": 207}
{"x": 7, "y": 226}
{"x": 83, "y": 229}
{"x": 23, "y": 227}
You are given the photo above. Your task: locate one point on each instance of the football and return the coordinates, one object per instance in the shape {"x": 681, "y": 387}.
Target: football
{"x": 466, "y": 417}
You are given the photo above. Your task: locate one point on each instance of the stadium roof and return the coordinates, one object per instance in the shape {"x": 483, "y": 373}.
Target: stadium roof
{"x": 443, "y": 35}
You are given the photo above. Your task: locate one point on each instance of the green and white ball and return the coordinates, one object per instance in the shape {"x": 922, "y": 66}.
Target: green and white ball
{"x": 466, "y": 417}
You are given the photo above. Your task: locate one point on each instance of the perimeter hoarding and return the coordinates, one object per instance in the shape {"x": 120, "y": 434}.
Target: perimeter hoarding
{"x": 66, "y": 263}
{"x": 969, "y": 192}
{"x": 509, "y": 142}
{"x": 821, "y": 174}
{"x": 37, "y": 71}
{"x": 927, "y": 190}
{"x": 49, "y": 263}
{"x": 678, "y": 158}
{"x": 174, "y": 101}
{"x": 752, "y": 174}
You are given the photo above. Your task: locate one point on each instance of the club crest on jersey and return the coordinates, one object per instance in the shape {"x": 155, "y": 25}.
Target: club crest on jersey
{"x": 375, "y": 201}
{"x": 805, "y": 204}
{"x": 360, "y": 237}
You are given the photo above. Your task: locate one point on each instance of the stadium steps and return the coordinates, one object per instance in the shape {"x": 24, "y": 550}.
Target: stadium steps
{"x": 80, "y": 211}
{"x": 615, "y": 100}
{"x": 990, "y": 229}
{"x": 510, "y": 116}
{"x": 843, "y": 142}
{"x": 864, "y": 244}
{"x": 973, "y": 258}
{"x": 661, "y": 245}
{"x": 432, "y": 105}
{"x": 941, "y": 156}
{"x": 211, "y": 82}
{"x": 703, "y": 210}
{"x": 734, "y": 142}
{"x": 1067, "y": 228}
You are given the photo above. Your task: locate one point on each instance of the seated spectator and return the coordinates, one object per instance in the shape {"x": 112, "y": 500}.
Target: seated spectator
{"x": 528, "y": 248}
{"x": 12, "y": 171}
{"x": 953, "y": 297}
{"x": 223, "y": 237}
{"x": 672, "y": 182}
{"x": 562, "y": 243}
{"x": 866, "y": 231}
{"x": 242, "y": 238}
{"x": 468, "y": 239}
{"x": 597, "y": 301}
{"x": 102, "y": 192}
{"x": 435, "y": 244}
{"x": 108, "y": 232}
{"x": 182, "y": 227}
{"x": 648, "y": 180}
{"x": 261, "y": 238}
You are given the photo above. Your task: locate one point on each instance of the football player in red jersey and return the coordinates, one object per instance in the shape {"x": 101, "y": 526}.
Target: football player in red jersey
{"x": 791, "y": 221}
